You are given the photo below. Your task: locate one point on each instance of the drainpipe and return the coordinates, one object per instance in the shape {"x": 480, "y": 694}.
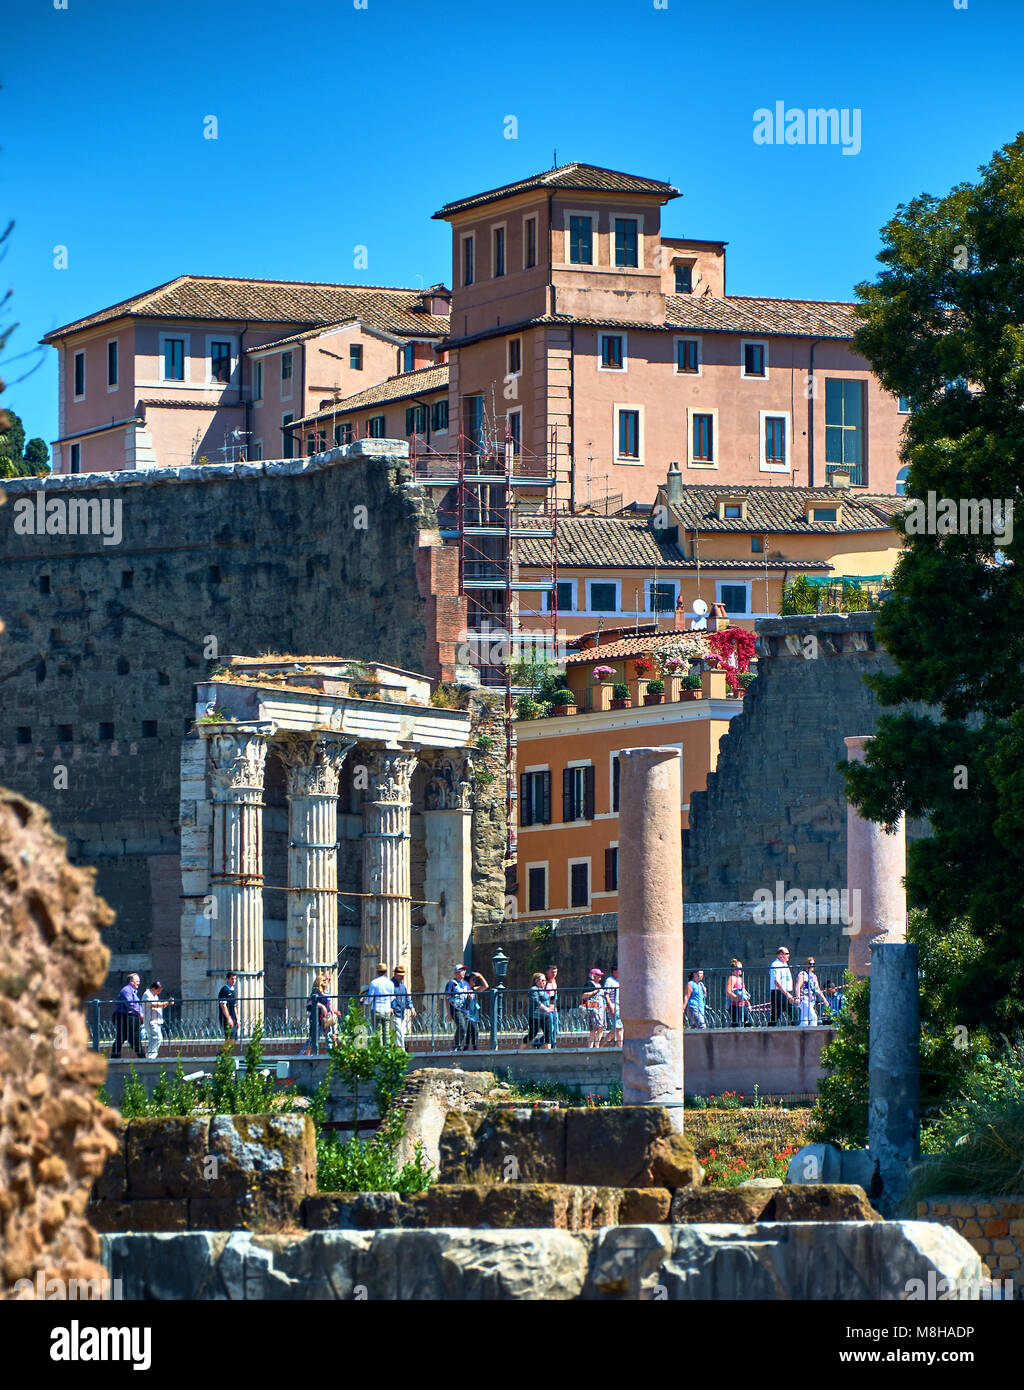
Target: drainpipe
{"x": 242, "y": 398}
{"x": 572, "y": 421}
{"x": 810, "y": 413}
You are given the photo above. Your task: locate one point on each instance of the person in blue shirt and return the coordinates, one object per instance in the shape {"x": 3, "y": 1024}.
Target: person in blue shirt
{"x": 128, "y": 1018}
{"x": 401, "y": 1004}
{"x": 834, "y": 1000}
{"x": 457, "y": 994}
{"x": 695, "y": 1000}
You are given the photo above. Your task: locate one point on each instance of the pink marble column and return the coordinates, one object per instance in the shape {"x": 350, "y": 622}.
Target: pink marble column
{"x": 876, "y": 862}
{"x": 651, "y": 928}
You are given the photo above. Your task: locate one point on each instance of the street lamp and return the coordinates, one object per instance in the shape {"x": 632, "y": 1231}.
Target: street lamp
{"x": 499, "y": 964}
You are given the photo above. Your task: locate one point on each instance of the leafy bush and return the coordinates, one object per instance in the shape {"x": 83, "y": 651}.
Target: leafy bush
{"x": 692, "y": 681}
{"x": 655, "y": 687}
{"x": 526, "y": 707}
{"x": 620, "y": 691}
{"x": 563, "y": 696}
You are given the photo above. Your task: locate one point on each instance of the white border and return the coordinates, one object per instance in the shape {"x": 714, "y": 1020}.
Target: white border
{"x": 691, "y": 462}
{"x": 503, "y": 228}
{"x": 117, "y": 384}
{"x": 544, "y": 864}
{"x": 618, "y": 595}
{"x": 594, "y": 219}
{"x": 176, "y": 336}
{"x": 569, "y": 865}
{"x": 639, "y": 219}
{"x": 290, "y": 352}
{"x": 257, "y": 374}
{"x": 463, "y": 282}
{"x": 687, "y": 338}
{"x": 619, "y": 371}
{"x": 232, "y": 343}
{"x": 764, "y": 416}
{"x": 746, "y": 584}
{"x": 627, "y": 460}
{"x": 754, "y": 342}
{"x": 78, "y": 353}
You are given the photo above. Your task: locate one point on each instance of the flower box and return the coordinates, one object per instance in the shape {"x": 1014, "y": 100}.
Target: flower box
{"x": 654, "y": 699}
{"x": 564, "y": 709}
{"x": 621, "y": 704}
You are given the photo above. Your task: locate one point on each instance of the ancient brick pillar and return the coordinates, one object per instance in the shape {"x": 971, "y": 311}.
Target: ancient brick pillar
{"x": 876, "y": 862}
{"x": 387, "y": 911}
{"x": 312, "y": 773}
{"x": 651, "y": 928}
{"x": 237, "y": 761}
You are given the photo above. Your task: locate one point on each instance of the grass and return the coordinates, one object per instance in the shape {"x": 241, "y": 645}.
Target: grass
{"x": 528, "y": 1091}
{"x": 988, "y": 1158}
{"x": 734, "y": 1143}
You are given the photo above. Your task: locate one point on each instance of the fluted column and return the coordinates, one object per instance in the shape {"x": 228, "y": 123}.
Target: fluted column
{"x": 876, "y": 863}
{"x": 448, "y": 882}
{"x": 237, "y": 764}
{"x": 312, "y": 773}
{"x": 387, "y": 911}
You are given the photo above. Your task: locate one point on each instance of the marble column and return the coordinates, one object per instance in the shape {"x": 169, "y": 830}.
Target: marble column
{"x": 447, "y": 827}
{"x": 312, "y": 766}
{"x": 876, "y": 863}
{"x": 387, "y": 911}
{"x": 651, "y": 928}
{"x": 894, "y": 1069}
{"x": 237, "y": 762}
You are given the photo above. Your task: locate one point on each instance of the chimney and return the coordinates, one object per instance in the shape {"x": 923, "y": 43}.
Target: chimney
{"x": 680, "y": 615}
{"x": 674, "y": 486}
{"x": 840, "y": 479}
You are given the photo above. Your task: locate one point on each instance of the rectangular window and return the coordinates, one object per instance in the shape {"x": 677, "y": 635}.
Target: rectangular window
{"x": 79, "y": 374}
{"x": 375, "y": 427}
{"x": 566, "y": 594}
{"x": 220, "y": 362}
{"x": 611, "y": 352}
{"x": 174, "y": 359}
{"x": 286, "y": 435}
{"x": 757, "y": 545}
{"x": 844, "y": 428}
{"x": 577, "y": 794}
{"x": 439, "y": 416}
{"x": 615, "y": 784}
{"x": 661, "y": 598}
{"x": 704, "y": 438}
{"x": 408, "y": 358}
{"x": 499, "y": 251}
{"x": 535, "y": 798}
{"x": 579, "y": 885}
{"x": 515, "y": 431}
{"x": 257, "y": 380}
{"x": 286, "y": 366}
{"x": 467, "y": 260}
{"x": 733, "y": 597}
{"x": 416, "y": 419}
{"x": 687, "y": 356}
{"x": 775, "y": 439}
{"x": 515, "y": 356}
{"x": 355, "y": 357}
{"x": 732, "y": 511}
{"x": 75, "y": 459}
{"x": 537, "y": 888}
{"x": 824, "y": 514}
{"x": 581, "y": 241}
{"x": 343, "y": 433}
{"x": 629, "y": 434}
{"x": 754, "y": 359}
{"x": 604, "y": 598}
{"x": 112, "y": 363}
{"x": 684, "y": 279}
{"x": 473, "y": 415}
{"x": 611, "y": 868}
{"x": 257, "y": 449}
{"x": 530, "y": 243}
{"x": 627, "y": 241}
{"x": 903, "y": 405}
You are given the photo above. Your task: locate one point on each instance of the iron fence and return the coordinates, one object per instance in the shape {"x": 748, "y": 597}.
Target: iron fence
{"x": 723, "y": 1006}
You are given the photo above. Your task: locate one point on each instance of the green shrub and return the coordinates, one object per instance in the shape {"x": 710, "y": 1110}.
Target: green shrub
{"x": 655, "y": 687}
{"x": 620, "y": 691}
{"x": 691, "y": 681}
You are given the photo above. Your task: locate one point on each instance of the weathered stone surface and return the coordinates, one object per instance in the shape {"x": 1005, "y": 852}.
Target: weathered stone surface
{"x": 750, "y": 1202}
{"x": 265, "y": 1163}
{"x": 504, "y": 1206}
{"x": 426, "y": 1099}
{"x": 641, "y": 1206}
{"x": 628, "y": 1146}
{"x": 357, "y": 1211}
{"x": 149, "y": 1214}
{"x": 166, "y": 1156}
{"x": 522, "y": 1144}
{"x": 112, "y": 1183}
{"x": 54, "y": 1133}
{"x": 808, "y": 1261}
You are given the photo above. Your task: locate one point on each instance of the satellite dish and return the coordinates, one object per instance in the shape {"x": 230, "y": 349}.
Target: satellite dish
{"x": 699, "y": 607}
{"x": 700, "y": 622}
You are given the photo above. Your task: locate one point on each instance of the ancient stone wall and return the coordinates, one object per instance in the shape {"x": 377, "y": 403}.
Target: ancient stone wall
{"x": 108, "y": 633}
{"x": 993, "y": 1226}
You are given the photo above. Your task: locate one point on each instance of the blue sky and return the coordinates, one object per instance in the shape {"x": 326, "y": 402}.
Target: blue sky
{"x": 340, "y": 127}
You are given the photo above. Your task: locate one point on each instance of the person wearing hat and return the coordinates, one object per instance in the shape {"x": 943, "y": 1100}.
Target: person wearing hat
{"x": 379, "y": 995}
{"x": 401, "y": 1004}
{"x": 457, "y": 994}
{"x": 595, "y": 1003}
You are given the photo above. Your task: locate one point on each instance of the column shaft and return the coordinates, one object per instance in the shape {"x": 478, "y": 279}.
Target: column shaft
{"x": 387, "y": 912}
{"x": 876, "y": 862}
{"x": 894, "y": 1065}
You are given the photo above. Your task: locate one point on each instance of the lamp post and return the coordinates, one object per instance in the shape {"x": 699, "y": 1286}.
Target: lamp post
{"x": 499, "y": 964}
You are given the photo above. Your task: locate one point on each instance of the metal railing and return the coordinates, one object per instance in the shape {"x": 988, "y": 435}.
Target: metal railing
{"x": 763, "y": 1008}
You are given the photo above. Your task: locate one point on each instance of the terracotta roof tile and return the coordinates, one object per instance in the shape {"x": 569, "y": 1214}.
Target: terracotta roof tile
{"x": 585, "y": 177}
{"x": 782, "y": 509}
{"x": 274, "y": 301}
{"x": 642, "y": 645}
{"x": 742, "y": 314}
{"x": 395, "y": 388}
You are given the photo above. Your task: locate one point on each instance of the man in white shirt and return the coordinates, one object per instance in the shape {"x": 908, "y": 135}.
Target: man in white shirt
{"x": 380, "y": 995}
{"x": 780, "y": 986}
{"x": 153, "y": 1017}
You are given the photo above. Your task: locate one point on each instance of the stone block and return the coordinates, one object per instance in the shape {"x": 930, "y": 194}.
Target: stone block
{"x": 641, "y": 1206}
{"x": 265, "y": 1162}
{"x": 165, "y": 1156}
{"x": 999, "y": 1227}
{"x": 628, "y": 1146}
{"x": 485, "y": 1266}
{"x": 368, "y": 1211}
{"x": 112, "y": 1183}
{"x": 147, "y": 1214}
{"x": 520, "y": 1145}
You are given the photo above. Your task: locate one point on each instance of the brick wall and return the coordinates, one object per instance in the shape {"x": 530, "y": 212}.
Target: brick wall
{"x": 994, "y": 1226}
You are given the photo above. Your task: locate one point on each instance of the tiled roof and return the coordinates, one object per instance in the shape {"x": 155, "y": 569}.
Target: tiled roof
{"x": 643, "y": 645}
{"x": 782, "y": 509}
{"x": 415, "y": 326}
{"x": 176, "y": 403}
{"x": 274, "y": 301}
{"x": 585, "y": 177}
{"x": 740, "y": 314}
{"x": 594, "y": 542}
{"x": 395, "y": 388}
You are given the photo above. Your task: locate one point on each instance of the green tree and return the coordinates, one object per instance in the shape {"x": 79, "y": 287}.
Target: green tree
{"x": 12, "y": 444}
{"x": 943, "y": 326}
{"x": 36, "y": 457}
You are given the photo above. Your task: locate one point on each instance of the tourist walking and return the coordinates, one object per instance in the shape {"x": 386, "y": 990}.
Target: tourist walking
{"x": 595, "y": 1003}
{"x": 695, "y": 1000}
{"x": 227, "y": 1006}
{"x": 611, "y": 994}
{"x": 153, "y": 1016}
{"x": 457, "y": 993}
{"x": 738, "y": 998}
{"x": 551, "y": 1019}
{"x": 537, "y": 1011}
{"x": 808, "y": 994}
{"x": 128, "y": 1018}
{"x": 380, "y": 997}
{"x": 401, "y": 1004}
{"x": 780, "y": 988}
{"x": 477, "y": 985}
{"x": 834, "y": 1000}
{"x": 322, "y": 1015}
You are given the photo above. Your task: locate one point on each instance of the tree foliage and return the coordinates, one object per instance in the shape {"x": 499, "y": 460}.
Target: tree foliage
{"x": 943, "y": 325}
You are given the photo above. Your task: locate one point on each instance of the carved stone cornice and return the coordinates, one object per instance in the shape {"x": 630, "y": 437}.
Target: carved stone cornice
{"x": 391, "y": 771}
{"x": 313, "y": 762}
{"x": 238, "y": 759}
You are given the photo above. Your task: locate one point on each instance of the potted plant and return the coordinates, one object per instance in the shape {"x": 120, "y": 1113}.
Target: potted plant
{"x": 602, "y": 673}
{"x": 642, "y": 666}
{"x": 564, "y": 701}
{"x": 620, "y": 696}
{"x": 691, "y": 686}
{"x": 655, "y": 693}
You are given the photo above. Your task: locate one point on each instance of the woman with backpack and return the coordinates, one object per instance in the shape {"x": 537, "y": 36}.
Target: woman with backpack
{"x": 596, "y": 1005}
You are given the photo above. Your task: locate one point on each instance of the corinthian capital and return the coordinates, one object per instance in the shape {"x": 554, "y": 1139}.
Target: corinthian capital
{"x": 238, "y": 758}
{"x": 391, "y": 772}
{"x": 312, "y": 763}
